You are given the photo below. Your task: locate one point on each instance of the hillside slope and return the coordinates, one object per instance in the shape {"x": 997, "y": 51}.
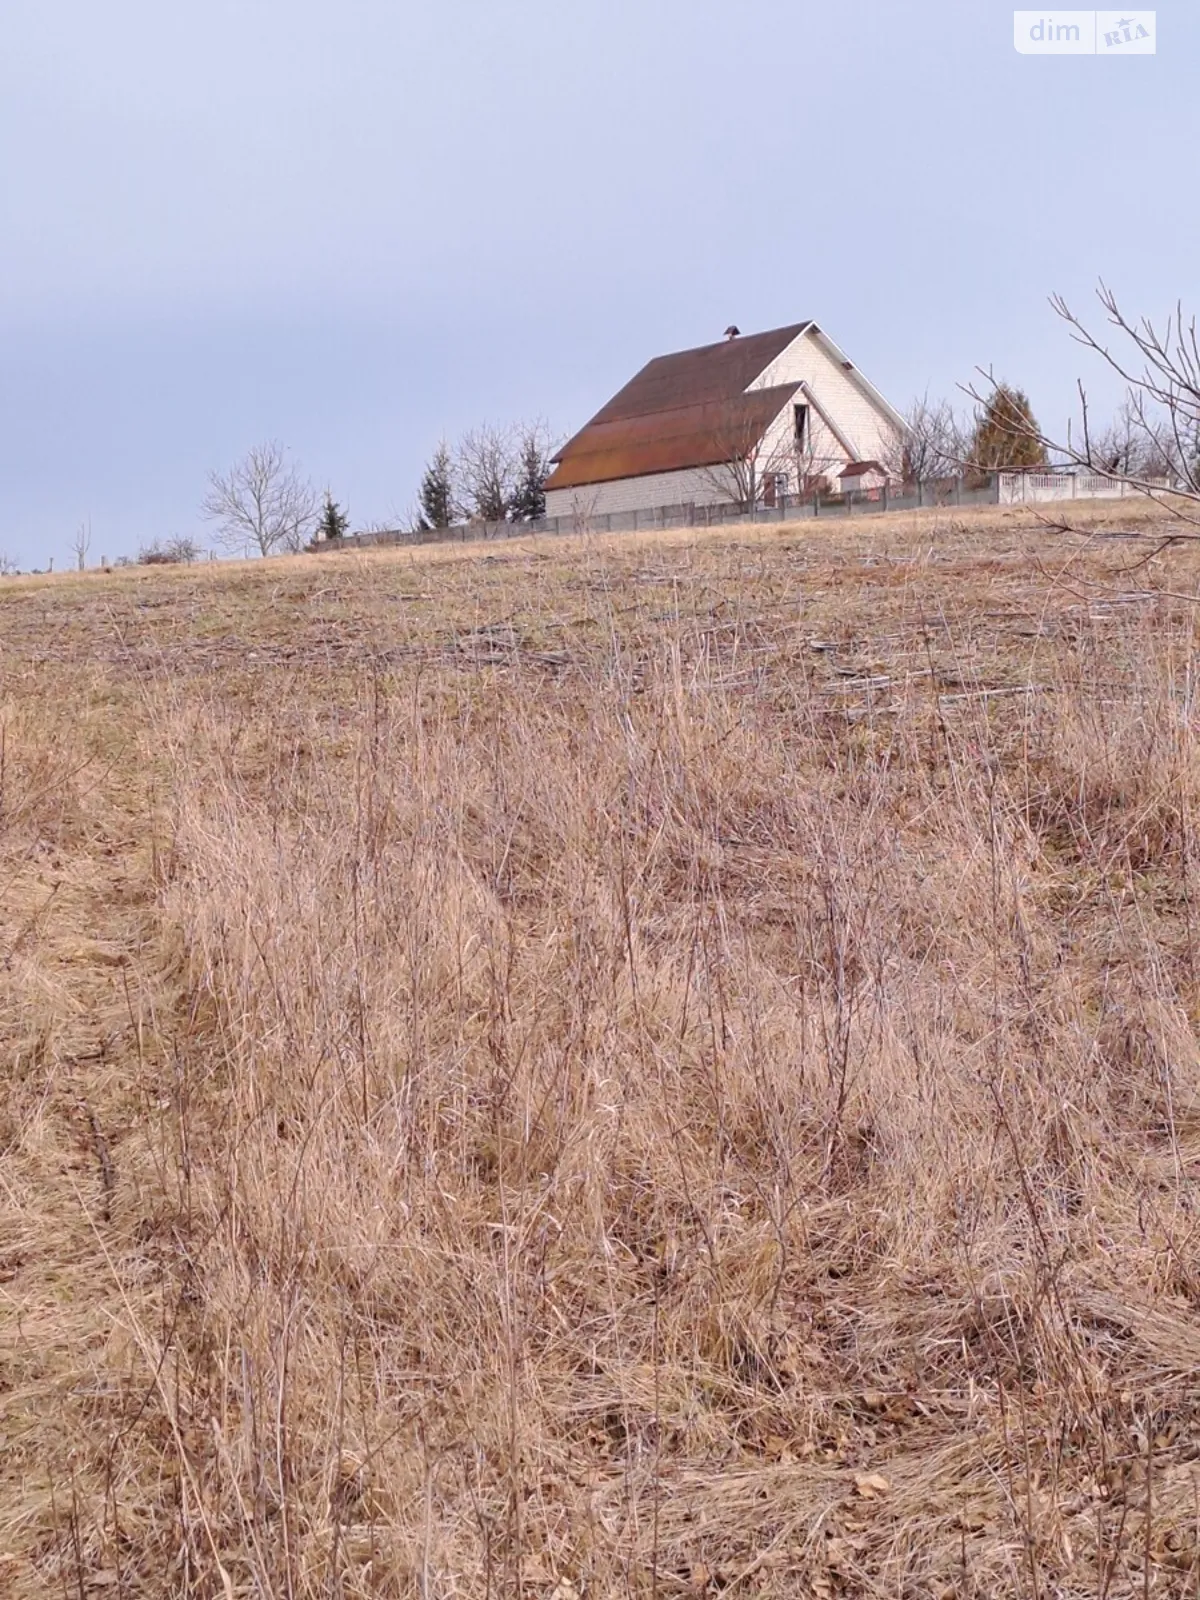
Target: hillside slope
{"x": 636, "y": 1067}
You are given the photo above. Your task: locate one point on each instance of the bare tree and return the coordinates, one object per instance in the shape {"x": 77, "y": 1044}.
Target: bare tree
{"x": 8, "y": 567}
{"x": 263, "y": 503}
{"x": 487, "y": 467}
{"x": 1128, "y": 448}
{"x": 931, "y": 447}
{"x": 81, "y": 544}
{"x": 1118, "y": 446}
{"x": 750, "y": 459}
{"x": 1157, "y": 434}
{"x": 801, "y": 449}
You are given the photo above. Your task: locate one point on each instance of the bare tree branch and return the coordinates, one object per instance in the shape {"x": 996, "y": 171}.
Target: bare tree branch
{"x": 1154, "y": 446}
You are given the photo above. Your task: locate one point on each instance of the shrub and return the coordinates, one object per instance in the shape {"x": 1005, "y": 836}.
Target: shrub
{"x": 178, "y": 551}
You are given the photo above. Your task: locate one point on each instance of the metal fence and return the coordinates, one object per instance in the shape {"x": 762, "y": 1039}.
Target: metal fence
{"x": 1003, "y": 488}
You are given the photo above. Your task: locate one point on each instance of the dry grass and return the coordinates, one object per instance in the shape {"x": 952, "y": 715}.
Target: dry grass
{"x": 654, "y": 1066}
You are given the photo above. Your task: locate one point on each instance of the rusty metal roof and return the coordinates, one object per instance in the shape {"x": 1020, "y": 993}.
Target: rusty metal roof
{"x": 681, "y": 410}
{"x": 668, "y": 441}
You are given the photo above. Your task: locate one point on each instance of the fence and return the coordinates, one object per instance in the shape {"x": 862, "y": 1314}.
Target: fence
{"x": 1003, "y": 488}
{"x": 1021, "y": 488}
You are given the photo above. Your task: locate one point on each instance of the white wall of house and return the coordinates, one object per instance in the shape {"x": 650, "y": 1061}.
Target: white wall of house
{"x": 694, "y": 487}
{"x": 865, "y": 427}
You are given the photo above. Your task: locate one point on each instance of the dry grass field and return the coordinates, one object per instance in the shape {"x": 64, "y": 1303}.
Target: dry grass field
{"x": 662, "y": 1066}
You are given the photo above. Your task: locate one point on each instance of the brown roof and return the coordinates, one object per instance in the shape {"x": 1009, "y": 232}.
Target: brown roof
{"x": 668, "y": 441}
{"x": 682, "y": 410}
{"x": 857, "y": 469}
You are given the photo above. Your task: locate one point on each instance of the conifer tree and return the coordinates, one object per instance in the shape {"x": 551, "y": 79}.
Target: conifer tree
{"x": 1006, "y": 433}
{"x": 437, "y": 491}
{"x": 333, "y": 523}
{"x": 533, "y": 468}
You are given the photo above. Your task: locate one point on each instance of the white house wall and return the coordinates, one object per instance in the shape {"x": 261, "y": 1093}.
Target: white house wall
{"x": 693, "y": 487}
{"x": 868, "y": 430}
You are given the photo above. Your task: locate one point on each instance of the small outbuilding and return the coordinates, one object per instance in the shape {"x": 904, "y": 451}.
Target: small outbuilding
{"x": 865, "y": 478}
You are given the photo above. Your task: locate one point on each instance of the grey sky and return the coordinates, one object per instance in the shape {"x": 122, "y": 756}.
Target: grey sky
{"x": 359, "y": 226}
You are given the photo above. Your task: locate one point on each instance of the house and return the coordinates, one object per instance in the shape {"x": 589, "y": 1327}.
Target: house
{"x": 866, "y": 478}
{"x": 747, "y": 420}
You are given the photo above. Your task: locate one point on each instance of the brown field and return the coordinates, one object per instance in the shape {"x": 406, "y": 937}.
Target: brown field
{"x": 655, "y": 1066}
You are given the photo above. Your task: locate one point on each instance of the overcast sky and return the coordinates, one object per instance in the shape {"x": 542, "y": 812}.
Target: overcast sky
{"x": 359, "y": 226}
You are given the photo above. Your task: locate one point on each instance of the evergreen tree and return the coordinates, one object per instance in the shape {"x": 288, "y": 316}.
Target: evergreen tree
{"x": 529, "y": 497}
{"x": 1006, "y": 433}
{"x": 437, "y": 491}
{"x": 333, "y": 523}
